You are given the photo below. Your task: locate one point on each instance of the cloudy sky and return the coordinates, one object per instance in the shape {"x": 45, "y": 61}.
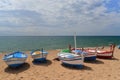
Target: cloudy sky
{"x": 59, "y": 17}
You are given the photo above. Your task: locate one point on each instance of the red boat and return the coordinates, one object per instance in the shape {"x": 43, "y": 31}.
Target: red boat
{"x": 106, "y": 54}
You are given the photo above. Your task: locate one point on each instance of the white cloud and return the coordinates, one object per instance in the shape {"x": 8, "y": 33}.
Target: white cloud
{"x": 57, "y": 17}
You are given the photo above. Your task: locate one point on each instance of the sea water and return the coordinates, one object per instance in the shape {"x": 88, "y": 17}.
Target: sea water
{"x": 28, "y": 43}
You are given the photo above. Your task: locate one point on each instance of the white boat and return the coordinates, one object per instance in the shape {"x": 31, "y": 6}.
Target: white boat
{"x": 71, "y": 59}
{"x": 15, "y": 59}
{"x": 39, "y": 55}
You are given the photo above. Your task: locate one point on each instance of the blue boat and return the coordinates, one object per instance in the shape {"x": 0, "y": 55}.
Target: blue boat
{"x": 15, "y": 59}
{"x": 88, "y": 56}
{"x": 39, "y": 55}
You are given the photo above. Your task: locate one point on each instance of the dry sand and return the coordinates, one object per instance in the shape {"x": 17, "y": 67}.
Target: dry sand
{"x": 101, "y": 69}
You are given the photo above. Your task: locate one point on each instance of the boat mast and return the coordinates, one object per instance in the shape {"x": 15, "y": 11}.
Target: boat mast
{"x": 75, "y": 40}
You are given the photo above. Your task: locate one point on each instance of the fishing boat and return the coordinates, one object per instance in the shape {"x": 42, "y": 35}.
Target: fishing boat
{"x": 88, "y": 56}
{"x": 106, "y": 54}
{"x": 71, "y": 59}
{"x": 39, "y": 55}
{"x": 15, "y": 59}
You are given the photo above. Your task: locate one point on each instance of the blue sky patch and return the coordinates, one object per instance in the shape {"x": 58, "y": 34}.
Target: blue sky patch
{"x": 113, "y": 6}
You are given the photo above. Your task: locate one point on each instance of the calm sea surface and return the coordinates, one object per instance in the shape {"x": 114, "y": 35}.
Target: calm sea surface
{"x": 15, "y": 43}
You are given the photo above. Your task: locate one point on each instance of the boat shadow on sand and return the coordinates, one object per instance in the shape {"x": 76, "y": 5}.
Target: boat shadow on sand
{"x": 116, "y": 59}
{"x": 17, "y": 70}
{"x": 42, "y": 63}
{"x": 95, "y": 62}
{"x": 77, "y": 67}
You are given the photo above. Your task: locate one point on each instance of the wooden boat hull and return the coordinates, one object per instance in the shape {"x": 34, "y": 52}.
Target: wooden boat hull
{"x": 15, "y": 59}
{"x": 88, "y": 56}
{"x": 91, "y": 58}
{"x": 104, "y": 55}
{"x": 74, "y": 63}
{"x": 15, "y": 62}
{"x": 69, "y": 59}
{"x": 39, "y": 57}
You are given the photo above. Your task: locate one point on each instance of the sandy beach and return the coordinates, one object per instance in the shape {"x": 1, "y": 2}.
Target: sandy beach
{"x": 101, "y": 69}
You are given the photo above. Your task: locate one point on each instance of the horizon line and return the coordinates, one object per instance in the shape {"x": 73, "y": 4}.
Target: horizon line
{"x": 52, "y": 35}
